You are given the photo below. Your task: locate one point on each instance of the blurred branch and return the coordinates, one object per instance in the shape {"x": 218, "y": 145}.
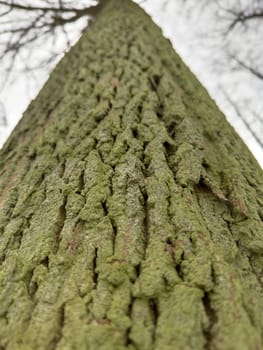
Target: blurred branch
{"x": 248, "y": 67}
{"x": 242, "y": 117}
{"x": 164, "y": 5}
{"x": 23, "y": 26}
{"x": 62, "y": 8}
{"x": 3, "y": 119}
{"x": 239, "y": 13}
{"x": 242, "y": 17}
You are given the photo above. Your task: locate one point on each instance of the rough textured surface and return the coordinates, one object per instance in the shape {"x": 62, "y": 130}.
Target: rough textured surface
{"x": 131, "y": 211}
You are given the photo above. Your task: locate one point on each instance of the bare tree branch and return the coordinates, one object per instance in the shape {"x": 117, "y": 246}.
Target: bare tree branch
{"x": 3, "y": 119}
{"x": 249, "y": 68}
{"x": 24, "y": 25}
{"x": 242, "y": 117}
{"x": 243, "y": 18}
{"x": 62, "y": 9}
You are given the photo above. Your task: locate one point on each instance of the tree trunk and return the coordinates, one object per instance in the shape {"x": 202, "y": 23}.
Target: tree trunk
{"x": 131, "y": 212}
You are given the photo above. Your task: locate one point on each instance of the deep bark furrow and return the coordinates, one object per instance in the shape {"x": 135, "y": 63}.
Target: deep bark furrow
{"x": 60, "y": 224}
{"x": 146, "y": 224}
{"x": 155, "y": 315}
{"x": 211, "y": 319}
{"x": 94, "y": 267}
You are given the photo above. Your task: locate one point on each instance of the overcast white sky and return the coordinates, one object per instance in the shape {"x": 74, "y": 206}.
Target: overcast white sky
{"x": 184, "y": 31}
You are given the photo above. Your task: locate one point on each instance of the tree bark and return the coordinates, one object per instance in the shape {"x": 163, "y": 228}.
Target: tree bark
{"x": 131, "y": 212}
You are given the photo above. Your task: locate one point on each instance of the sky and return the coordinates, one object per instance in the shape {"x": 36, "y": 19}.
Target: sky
{"x": 186, "y": 31}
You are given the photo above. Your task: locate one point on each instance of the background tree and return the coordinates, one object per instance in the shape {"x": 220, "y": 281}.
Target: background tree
{"x": 131, "y": 211}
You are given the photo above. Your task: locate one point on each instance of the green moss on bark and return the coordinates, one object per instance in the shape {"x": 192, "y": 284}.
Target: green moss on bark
{"x": 131, "y": 212}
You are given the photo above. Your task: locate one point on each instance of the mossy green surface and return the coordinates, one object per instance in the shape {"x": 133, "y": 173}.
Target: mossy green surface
{"x": 131, "y": 212}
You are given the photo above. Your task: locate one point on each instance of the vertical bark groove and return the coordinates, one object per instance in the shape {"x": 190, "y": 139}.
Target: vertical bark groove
{"x": 212, "y": 321}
